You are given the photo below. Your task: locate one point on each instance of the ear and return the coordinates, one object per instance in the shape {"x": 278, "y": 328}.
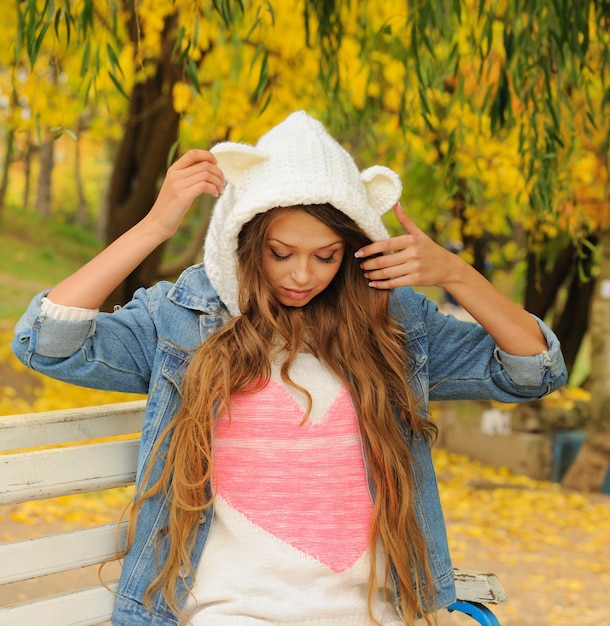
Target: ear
{"x": 382, "y": 186}
{"x": 236, "y": 158}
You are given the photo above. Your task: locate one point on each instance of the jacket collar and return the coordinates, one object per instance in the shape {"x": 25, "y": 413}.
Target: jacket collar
{"x": 193, "y": 290}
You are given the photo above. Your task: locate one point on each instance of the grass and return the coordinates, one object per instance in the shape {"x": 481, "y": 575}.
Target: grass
{"x": 36, "y": 253}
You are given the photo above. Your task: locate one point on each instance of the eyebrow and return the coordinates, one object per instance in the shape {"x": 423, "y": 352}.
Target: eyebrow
{"x": 283, "y": 243}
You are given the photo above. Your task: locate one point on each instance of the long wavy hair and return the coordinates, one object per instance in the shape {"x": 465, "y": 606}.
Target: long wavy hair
{"x": 349, "y": 329}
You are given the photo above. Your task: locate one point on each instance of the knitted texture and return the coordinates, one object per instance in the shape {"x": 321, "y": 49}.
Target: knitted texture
{"x": 296, "y": 162}
{"x": 292, "y": 510}
{"x": 305, "y": 484}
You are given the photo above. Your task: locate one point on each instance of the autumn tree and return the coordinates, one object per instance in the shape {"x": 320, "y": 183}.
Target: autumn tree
{"x": 514, "y": 71}
{"x": 493, "y": 112}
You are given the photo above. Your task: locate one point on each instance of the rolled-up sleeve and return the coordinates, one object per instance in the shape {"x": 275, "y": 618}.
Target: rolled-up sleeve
{"x": 112, "y": 351}
{"x": 466, "y": 363}
{"x": 37, "y": 332}
{"x": 538, "y": 369}
{"x": 462, "y": 361}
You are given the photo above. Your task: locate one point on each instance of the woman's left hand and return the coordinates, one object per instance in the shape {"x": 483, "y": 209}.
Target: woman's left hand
{"x": 412, "y": 259}
{"x": 415, "y": 260}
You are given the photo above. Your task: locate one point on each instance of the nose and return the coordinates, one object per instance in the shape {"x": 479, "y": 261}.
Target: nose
{"x": 300, "y": 273}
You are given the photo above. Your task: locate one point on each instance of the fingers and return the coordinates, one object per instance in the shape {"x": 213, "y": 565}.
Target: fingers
{"x": 395, "y": 269}
{"x": 194, "y": 156}
{"x": 405, "y": 221}
{"x": 204, "y": 180}
{"x": 196, "y": 172}
{"x": 388, "y": 245}
{"x": 388, "y": 263}
{"x": 402, "y": 217}
{"x": 393, "y": 262}
{"x": 373, "y": 250}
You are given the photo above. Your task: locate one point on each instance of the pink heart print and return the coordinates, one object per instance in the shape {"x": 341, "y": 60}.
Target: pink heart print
{"x": 304, "y": 483}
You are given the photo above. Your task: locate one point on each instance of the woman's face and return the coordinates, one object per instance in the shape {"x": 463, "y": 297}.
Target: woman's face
{"x": 301, "y": 257}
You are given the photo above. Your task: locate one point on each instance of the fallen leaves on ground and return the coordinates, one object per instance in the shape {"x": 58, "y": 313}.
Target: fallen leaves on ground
{"x": 549, "y": 547}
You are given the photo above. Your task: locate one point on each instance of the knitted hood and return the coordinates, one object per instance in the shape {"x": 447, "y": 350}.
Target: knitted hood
{"x": 296, "y": 162}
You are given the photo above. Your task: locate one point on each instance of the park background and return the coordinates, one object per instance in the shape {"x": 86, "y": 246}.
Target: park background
{"x": 495, "y": 115}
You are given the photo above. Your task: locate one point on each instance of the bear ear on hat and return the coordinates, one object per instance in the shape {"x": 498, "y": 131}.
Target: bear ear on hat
{"x": 383, "y": 187}
{"x": 236, "y": 158}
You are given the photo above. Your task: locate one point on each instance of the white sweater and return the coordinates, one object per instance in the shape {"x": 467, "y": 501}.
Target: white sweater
{"x": 289, "y": 539}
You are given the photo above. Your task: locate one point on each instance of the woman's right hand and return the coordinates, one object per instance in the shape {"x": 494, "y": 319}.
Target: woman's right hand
{"x": 193, "y": 174}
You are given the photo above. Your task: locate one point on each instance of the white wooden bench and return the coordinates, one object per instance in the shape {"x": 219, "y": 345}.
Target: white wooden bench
{"x": 33, "y": 467}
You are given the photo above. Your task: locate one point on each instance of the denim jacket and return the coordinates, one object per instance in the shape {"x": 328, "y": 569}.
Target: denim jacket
{"x": 146, "y": 346}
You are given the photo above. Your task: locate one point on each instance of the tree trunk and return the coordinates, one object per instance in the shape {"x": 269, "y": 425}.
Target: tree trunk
{"x": 544, "y": 287}
{"x": 82, "y": 208}
{"x": 45, "y": 175}
{"x": 589, "y": 469}
{"x": 8, "y": 156}
{"x": 474, "y": 245}
{"x": 543, "y": 283}
{"x": 573, "y": 321}
{"x": 8, "y": 159}
{"x": 27, "y": 170}
{"x": 150, "y": 132}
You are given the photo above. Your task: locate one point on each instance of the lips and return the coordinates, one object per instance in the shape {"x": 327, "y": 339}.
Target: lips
{"x": 297, "y": 294}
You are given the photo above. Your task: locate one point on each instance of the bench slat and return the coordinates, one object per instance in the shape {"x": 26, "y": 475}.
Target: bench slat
{"x": 79, "y": 608}
{"x": 30, "y": 558}
{"x": 478, "y": 587}
{"x": 30, "y": 430}
{"x": 63, "y": 471}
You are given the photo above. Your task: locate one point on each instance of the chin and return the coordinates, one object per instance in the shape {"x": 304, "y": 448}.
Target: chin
{"x": 295, "y": 304}
{"x": 292, "y": 304}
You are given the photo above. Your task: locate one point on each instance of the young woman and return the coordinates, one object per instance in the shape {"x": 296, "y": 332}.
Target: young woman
{"x": 285, "y": 474}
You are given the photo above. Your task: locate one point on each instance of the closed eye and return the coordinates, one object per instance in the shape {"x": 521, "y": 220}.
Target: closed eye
{"x": 278, "y": 257}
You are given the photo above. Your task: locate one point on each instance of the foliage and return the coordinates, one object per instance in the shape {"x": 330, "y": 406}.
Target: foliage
{"x": 492, "y": 111}
{"x": 501, "y": 112}
{"x": 47, "y": 93}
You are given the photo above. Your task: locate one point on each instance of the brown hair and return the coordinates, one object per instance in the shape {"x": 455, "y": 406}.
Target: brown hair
{"x": 347, "y": 327}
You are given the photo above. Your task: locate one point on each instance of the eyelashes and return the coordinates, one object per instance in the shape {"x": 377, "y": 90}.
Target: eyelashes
{"x": 278, "y": 257}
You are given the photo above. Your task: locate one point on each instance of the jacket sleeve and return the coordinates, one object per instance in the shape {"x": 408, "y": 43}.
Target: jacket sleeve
{"x": 114, "y": 351}
{"x": 464, "y": 362}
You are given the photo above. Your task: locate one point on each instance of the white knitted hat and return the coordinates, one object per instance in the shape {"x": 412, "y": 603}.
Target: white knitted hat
{"x": 296, "y": 162}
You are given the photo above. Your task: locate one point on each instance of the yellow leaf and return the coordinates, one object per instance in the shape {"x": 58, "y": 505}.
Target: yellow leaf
{"x": 182, "y": 97}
